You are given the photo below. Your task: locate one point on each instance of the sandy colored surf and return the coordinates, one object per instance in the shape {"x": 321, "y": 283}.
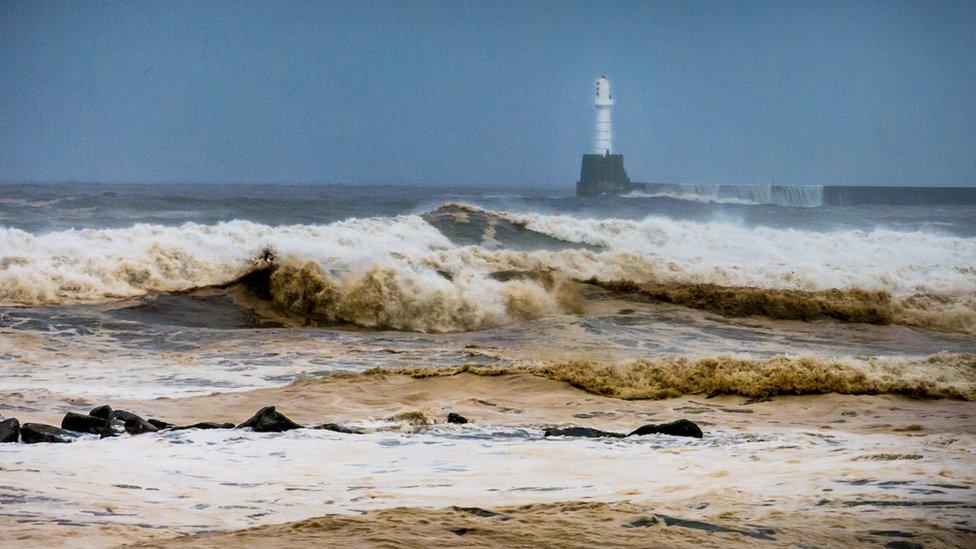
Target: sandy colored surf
{"x": 928, "y": 311}
{"x": 588, "y": 393}
{"x": 823, "y": 469}
{"x": 565, "y": 525}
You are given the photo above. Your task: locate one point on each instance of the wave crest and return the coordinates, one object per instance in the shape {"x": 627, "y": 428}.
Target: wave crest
{"x": 919, "y": 279}
{"x": 950, "y": 376}
{"x": 850, "y": 305}
{"x": 383, "y": 297}
{"x": 940, "y": 376}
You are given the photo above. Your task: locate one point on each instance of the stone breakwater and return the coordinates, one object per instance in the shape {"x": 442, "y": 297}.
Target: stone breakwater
{"x": 104, "y": 422}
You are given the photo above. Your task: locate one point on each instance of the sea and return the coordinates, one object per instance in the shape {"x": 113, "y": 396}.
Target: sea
{"x": 764, "y": 313}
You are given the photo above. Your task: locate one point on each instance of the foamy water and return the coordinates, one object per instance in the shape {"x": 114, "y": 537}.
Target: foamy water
{"x": 402, "y": 260}
{"x": 92, "y": 311}
{"x": 204, "y": 480}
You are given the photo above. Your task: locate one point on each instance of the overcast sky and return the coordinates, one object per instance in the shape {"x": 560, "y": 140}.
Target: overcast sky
{"x": 487, "y": 92}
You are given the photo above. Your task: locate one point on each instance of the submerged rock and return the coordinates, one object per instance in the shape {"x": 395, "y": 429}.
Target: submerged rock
{"x": 580, "y": 432}
{"x": 9, "y": 430}
{"x": 205, "y": 425}
{"x": 32, "y": 433}
{"x": 348, "y": 429}
{"x": 269, "y": 420}
{"x": 456, "y": 418}
{"x": 159, "y": 424}
{"x": 679, "y": 428}
{"x": 84, "y": 423}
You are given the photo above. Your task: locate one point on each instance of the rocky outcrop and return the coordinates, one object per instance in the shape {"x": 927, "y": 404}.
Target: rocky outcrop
{"x": 9, "y": 430}
{"x": 348, "y": 429}
{"x": 104, "y": 412}
{"x": 269, "y": 420}
{"x": 105, "y": 421}
{"x": 84, "y": 423}
{"x": 32, "y": 433}
{"x": 205, "y": 425}
{"x": 679, "y": 428}
{"x": 585, "y": 432}
{"x": 160, "y": 424}
{"x": 134, "y": 425}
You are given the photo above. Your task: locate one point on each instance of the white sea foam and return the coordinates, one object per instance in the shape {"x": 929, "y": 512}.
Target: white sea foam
{"x": 95, "y": 264}
{"x": 903, "y": 263}
{"x": 396, "y": 260}
{"x": 782, "y": 195}
{"x": 227, "y": 479}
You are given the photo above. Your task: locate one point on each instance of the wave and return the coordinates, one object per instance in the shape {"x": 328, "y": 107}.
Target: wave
{"x": 405, "y": 272}
{"x": 687, "y": 197}
{"x": 950, "y": 376}
{"x": 809, "y": 196}
{"x": 781, "y": 195}
{"x": 384, "y": 297}
{"x": 899, "y": 262}
{"x": 927, "y": 311}
{"x": 850, "y": 305}
{"x": 586, "y": 523}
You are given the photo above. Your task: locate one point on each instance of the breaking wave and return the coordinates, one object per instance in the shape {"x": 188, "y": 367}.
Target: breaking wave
{"x": 940, "y": 376}
{"x": 781, "y": 195}
{"x": 384, "y": 297}
{"x": 847, "y": 305}
{"x": 937, "y": 376}
{"x": 810, "y": 196}
{"x": 477, "y": 269}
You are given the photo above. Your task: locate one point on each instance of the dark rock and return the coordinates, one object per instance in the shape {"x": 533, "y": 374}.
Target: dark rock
{"x": 137, "y": 426}
{"x": 32, "y": 433}
{"x": 134, "y": 425}
{"x": 456, "y": 418}
{"x": 269, "y": 420}
{"x": 116, "y": 425}
{"x": 348, "y": 429}
{"x": 123, "y": 415}
{"x": 477, "y": 511}
{"x": 159, "y": 424}
{"x": 84, "y": 423}
{"x": 104, "y": 412}
{"x": 580, "y": 432}
{"x": 205, "y": 425}
{"x": 642, "y": 522}
{"x": 903, "y": 544}
{"x": 758, "y": 532}
{"x": 679, "y": 428}
{"x": 892, "y": 533}
{"x": 9, "y": 430}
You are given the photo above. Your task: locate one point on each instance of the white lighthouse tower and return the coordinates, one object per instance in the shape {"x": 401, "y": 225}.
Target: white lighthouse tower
{"x": 603, "y": 103}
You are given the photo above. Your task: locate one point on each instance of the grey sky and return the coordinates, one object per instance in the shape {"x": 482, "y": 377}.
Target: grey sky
{"x": 487, "y": 92}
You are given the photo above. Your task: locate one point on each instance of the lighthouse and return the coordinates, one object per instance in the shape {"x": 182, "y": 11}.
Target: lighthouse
{"x": 602, "y": 172}
{"x": 603, "y": 103}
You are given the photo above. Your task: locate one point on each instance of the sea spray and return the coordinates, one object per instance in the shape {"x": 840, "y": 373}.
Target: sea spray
{"x": 401, "y": 272}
